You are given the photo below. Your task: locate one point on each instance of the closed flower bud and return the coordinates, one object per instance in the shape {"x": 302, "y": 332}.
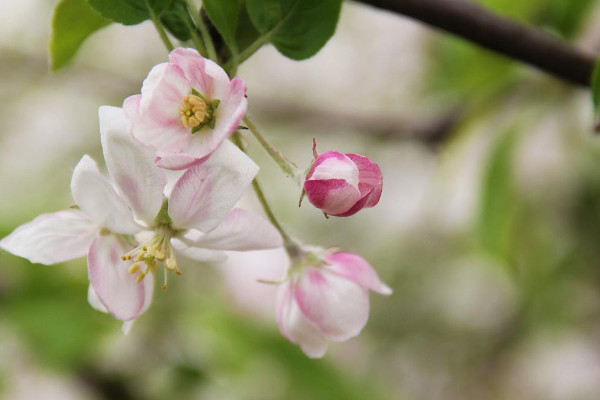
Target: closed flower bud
{"x": 342, "y": 184}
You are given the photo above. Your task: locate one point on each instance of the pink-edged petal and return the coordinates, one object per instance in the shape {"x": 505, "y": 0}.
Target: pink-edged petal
{"x": 370, "y": 178}
{"x": 205, "y": 193}
{"x": 333, "y": 165}
{"x": 163, "y": 91}
{"x": 295, "y": 327}
{"x": 337, "y": 306}
{"x": 95, "y": 301}
{"x": 52, "y": 238}
{"x": 131, "y": 166}
{"x": 241, "y": 230}
{"x": 187, "y": 249}
{"x": 333, "y": 196}
{"x": 97, "y": 198}
{"x": 358, "y": 270}
{"x": 178, "y": 161}
{"x": 113, "y": 284}
{"x": 201, "y": 73}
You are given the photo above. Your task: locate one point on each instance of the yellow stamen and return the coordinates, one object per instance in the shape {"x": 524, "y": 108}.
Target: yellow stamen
{"x": 140, "y": 277}
{"x": 134, "y": 268}
{"x": 194, "y": 111}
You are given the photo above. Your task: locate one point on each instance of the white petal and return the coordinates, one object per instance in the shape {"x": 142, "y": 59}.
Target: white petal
{"x": 95, "y": 301}
{"x": 242, "y": 230}
{"x": 196, "y": 253}
{"x": 52, "y": 238}
{"x": 97, "y": 198}
{"x": 114, "y": 285}
{"x": 296, "y": 327}
{"x": 131, "y": 166}
{"x": 337, "y": 306}
{"x": 203, "y": 196}
{"x": 333, "y": 165}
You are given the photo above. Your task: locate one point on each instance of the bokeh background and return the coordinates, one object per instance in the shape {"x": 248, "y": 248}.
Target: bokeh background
{"x": 488, "y": 229}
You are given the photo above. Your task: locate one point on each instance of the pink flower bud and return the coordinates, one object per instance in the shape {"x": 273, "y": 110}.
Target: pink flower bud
{"x": 327, "y": 300}
{"x": 342, "y": 184}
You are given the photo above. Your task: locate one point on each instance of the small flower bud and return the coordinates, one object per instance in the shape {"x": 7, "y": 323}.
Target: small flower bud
{"x": 342, "y": 184}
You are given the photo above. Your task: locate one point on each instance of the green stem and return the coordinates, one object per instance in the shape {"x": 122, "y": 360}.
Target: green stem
{"x": 159, "y": 28}
{"x": 248, "y": 52}
{"x": 275, "y": 155}
{"x": 195, "y": 14}
{"x": 195, "y": 38}
{"x": 291, "y": 247}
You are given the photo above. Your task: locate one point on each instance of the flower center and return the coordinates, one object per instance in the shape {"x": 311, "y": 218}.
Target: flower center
{"x": 197, "y": 112}
{"x": 157, "y": 250}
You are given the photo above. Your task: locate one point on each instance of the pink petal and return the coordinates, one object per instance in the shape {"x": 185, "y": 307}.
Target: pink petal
{"x": 52, "y": 238}
{"x": 205, "y": 193}
{"x": 189, "y": 250}
{"x": 370, "y": 178}
{"x": 333, "y": 196}
{"x": 295, "y": 327}
{"x": 333, "y": 165}
{"x": 336, "y": 305}
{"x": 113, "y": 284}
{"x": 241, "y": 230}
{"x": 358, "y": 270}
{"x": 97, "y": 198}
{"x": 163, "y": 91}
{"x": 131, "y": 166}
{"x": 200, "y": 72}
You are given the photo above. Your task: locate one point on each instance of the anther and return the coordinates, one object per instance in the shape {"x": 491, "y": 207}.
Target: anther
{"x": 140, "y": 277}
{"x": 134, "y": 268}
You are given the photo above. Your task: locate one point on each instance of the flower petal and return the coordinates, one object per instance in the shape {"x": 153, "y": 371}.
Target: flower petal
{"x": 97, "y": 198}
{"x": 332, "y": 196}
{"x": 295, "y": 327}
{"x": 369, "y": 177}
{"x": 52, "y": 238}
{"x": 336, "y": 305}
{"x": 131, "y": 166}
{"x": 334, "y": 165}
{"x": 197, "y": 253}
{"x": 201, "y": 73}
{"x": 205, "y": 193}
{"x": 358, "y": 270}
{"x": 241, "y": 230}
{"x": 95, "y": 301}
{"x": 114, "y": 285}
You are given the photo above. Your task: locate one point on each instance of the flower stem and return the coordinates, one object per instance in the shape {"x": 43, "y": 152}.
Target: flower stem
{"x": 195, "y": 38}
{"x": 284, "y": 164}
{"x": 249, "y": 51}
{"x": 290, "y": 245}
{"x": 195, "y": 14}
{"x": 159, "y": 28}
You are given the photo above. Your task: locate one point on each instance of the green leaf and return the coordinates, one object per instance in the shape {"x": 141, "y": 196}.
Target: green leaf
{"x": 297, "y": 28}
{"x": 596, "y": 87}
{"x": 72, "y": 22}
{"x": 128, "y": 12}
{"x": 178, "y": 21}
{"x": 499, "y": 198}
{"x": 225, "y": 15}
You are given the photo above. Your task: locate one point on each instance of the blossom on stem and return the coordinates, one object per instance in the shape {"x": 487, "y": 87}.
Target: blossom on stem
{"x": 128, "y": 227}
{"x": 326, "y": 298}
{"x": 187, "y": 108}
{"x": 343, "y": 184}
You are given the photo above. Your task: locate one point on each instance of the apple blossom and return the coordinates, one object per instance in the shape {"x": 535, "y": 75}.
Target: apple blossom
{"x": 326, "y": 298}
{"x": 127, "y": 226}
{"x": 187, "y": 108}
{"x": 100, "y": 227}
{"x": 343, "y": 184}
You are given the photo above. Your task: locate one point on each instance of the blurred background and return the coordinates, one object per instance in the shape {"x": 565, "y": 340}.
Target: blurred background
{"x": 488, "y": 229}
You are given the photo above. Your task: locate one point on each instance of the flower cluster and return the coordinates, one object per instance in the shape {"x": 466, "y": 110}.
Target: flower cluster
{"x": 139, "y": 220}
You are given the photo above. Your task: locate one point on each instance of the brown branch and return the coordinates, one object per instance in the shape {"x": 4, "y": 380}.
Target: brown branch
{"x": 477, "y": 24}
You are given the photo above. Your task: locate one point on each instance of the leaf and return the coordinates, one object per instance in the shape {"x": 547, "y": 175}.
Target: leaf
{"x": 225, "y": 15}
{"x": 128, "y": 12}
{"x": 297, "y": 28}
{"x": 178, "y": 21}
{"x": 72, "y": 22}
{"x": 499, "y": 198}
